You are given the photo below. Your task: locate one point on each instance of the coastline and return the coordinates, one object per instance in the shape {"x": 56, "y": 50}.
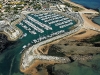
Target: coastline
{"x": 87, "y": 25}
{"x": 79, "y": 25}
{"x": 13, "y": 24}
{"x": 88, "y": 22}
{"x": 85, "y": 10}
{"x": 96, "y": 21}
{"x": 27, "y": 53}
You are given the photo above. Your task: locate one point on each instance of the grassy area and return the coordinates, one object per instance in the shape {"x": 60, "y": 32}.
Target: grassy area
{"x": 0, "y": 6}
{"x": 16, "y": 2}
{"x": 13, "y": 9}
{"x": 45, "y": 5}
{"x": 95, "y": 38}
{"x": 55, "y": 51}
{"x": 74, "y": 8}
{"x": 37, "y": 6}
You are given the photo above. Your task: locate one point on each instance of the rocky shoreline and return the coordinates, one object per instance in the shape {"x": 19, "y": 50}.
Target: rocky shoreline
{"x": 74, "y": 48}
{"x": 84, "y": 52}
{"x": 4, "y": 42}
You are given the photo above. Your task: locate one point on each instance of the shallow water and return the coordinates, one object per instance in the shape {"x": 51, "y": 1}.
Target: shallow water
{"x": 10, "y": 58}
{"x": 96, "y": 20}
{"x": 92, "y": 67}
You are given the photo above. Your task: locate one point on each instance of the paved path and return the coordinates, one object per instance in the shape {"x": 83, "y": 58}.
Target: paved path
{"x": 92, "y": 28}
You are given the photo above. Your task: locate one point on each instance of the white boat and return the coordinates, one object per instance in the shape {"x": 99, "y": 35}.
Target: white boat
{"x": 24, "y": 46}
{"x": 32, "y": 32}
{"x": 24, "y": 35}
{"x": 29, "y": 29}
{"x": 29, "y": 44}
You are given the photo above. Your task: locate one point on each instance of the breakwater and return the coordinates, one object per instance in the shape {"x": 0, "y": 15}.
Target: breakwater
{"x": 34, "y": 47}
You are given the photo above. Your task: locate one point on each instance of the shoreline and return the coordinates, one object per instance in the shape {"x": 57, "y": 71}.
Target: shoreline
{"x": 39, "y": 66}
{"x": 79, "y": 25}
{"x": 94, "y": 9}
{"x": 85, "y": 10}
{"x": 87, "y": 22}
{"x": 95, "y": 21}
{"x": 13, "y": 24}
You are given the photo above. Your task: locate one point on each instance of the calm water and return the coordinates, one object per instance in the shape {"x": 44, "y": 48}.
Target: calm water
{"x": 83, "y": 70}
{"x": 90, "y": 4}
{"x": 10, "y": 59}
{"x": 96, "y": 20}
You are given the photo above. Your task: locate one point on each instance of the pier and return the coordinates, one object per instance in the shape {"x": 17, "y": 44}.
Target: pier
{"x": 30, "y": 58}
{"x": 58, "y": 21}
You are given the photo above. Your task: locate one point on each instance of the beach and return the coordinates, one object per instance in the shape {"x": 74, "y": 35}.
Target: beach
{"x": 88, "y": 34}
{"x": 48, "y": 35}
{"x": 86, "y": 28}
{"x": 85, "y": 10}
{"x": 87, "y": 22}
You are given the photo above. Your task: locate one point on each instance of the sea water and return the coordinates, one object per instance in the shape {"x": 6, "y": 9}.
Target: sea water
{"x": 75, "y": 68}
{"x": 10, "y": 59}
{"x": 96, "y": 20}
{"x": 91, "y": 4}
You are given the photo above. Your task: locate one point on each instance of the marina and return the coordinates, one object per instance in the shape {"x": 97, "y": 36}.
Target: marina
{"x": 41, "y": 33}
{"x": 53, "y": 29}
{"x": 34, "y": 26}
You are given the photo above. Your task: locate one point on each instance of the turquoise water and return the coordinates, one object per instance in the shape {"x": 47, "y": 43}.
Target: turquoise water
{"x": 96, "y": 20}
{"x": 10, "y": 59}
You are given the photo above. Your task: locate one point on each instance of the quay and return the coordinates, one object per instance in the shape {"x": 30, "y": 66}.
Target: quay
{"x": 10, "y": 29}
{"x": 32, "y": 54}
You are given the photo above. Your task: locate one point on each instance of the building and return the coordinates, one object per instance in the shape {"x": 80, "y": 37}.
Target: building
{"x": 3, "y": 24}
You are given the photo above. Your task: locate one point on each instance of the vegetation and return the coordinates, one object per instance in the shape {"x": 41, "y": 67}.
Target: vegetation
{"x": 75, "y": 8}
{"x": 17, "y": 3}
{"x": 1, "y": 18}
{"x": 99, "y": 11}
{"x": 15, "y": 9}
{"x": 0, "y": 6}
{"x": 15, "y": 12}
{"x": 67, "y": 4}
{"x": 95, "y": 38}
{"x": 37, "y": 6}
{"x": 7, "y": 9}
{"x": 31, "y": 3}
{"x": 55, "y": 51}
